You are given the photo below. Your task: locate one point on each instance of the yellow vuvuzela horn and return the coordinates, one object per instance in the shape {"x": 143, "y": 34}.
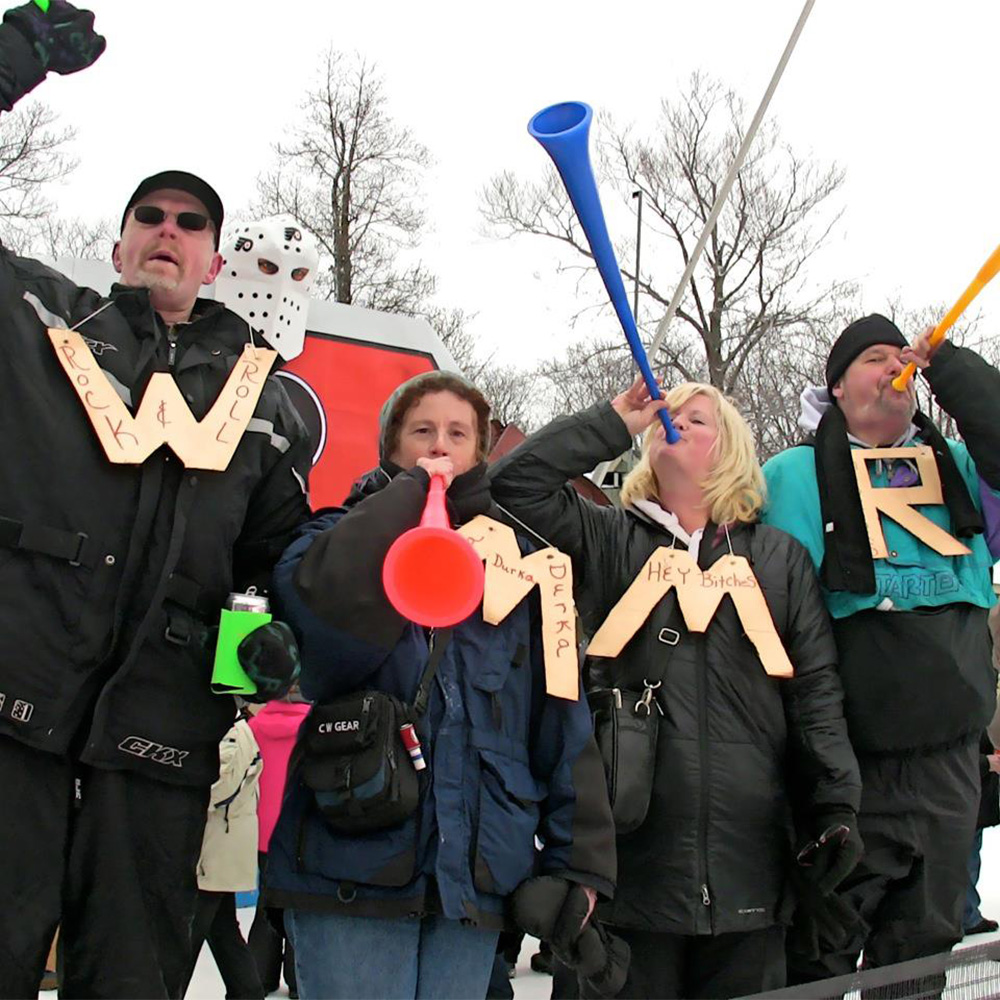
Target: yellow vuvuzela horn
{"x": 986, "y": 272}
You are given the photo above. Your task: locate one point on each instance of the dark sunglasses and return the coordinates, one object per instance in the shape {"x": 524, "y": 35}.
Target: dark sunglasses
{"x": 150, "y": 215}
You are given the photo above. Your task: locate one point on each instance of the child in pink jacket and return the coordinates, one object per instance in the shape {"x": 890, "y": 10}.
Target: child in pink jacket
{"x": 275, "y": 726}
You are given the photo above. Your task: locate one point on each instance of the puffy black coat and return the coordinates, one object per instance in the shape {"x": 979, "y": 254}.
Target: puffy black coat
{"x": 741, "y": 756}
{"x": 111, "y": 574}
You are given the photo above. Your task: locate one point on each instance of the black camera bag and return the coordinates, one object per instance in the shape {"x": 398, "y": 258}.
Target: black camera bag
{"x": 354, "y": 759}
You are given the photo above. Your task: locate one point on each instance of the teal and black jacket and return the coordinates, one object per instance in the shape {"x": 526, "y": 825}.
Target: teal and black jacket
{"x": 914, "y": 575}
{"x": 914, "y": 653}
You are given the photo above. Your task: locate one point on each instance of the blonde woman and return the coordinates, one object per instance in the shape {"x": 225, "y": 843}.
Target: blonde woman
{"x": 748, "y": 769}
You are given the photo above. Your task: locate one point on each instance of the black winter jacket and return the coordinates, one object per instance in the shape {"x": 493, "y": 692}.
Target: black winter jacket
{"x": 741, "y": 756}
{"x": 111, "y": 574}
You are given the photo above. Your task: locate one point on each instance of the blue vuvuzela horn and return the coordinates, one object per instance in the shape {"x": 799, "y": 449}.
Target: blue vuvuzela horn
{"x": 564, "y": 130}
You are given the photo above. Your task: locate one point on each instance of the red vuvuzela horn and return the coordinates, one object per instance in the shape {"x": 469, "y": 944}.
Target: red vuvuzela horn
{"x": 431, "y": 574}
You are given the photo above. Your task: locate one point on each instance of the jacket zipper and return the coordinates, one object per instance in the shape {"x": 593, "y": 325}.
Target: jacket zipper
{"x": 117, "y": 617}
{"x": 97, "y": 728}
{"x": 431, "y": 642}
{"x": 300, "y": 843}
{"x": 126, "y": 663}
{"x": 701, "y": 681}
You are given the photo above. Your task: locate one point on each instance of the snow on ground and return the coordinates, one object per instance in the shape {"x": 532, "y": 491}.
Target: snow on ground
{"x": 528, "y": 985}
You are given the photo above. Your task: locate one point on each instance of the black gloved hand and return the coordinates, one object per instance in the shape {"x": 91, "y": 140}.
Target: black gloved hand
{"x": 554, "y": 909}
{"x": 269, "y": 656}
{"x": 834, "y": 853}
{"x": 62, "y": 38}
{"x": 823, "y": 925}
{"x": 603, "y": 959}
{"x": 469, "y": 494}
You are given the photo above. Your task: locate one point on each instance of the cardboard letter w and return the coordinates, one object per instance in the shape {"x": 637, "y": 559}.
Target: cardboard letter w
{"x": 163, "y": 416}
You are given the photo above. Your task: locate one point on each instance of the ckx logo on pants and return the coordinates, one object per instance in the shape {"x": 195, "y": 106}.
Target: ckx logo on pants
{"x": 150, "y": 750}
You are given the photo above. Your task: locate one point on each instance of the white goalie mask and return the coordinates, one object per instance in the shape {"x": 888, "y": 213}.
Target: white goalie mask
{"x": 268, "y": 269}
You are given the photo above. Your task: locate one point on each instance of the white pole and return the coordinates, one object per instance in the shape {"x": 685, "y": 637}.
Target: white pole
{"x": 661, "y": 329}
{"x": 664, "y": 324}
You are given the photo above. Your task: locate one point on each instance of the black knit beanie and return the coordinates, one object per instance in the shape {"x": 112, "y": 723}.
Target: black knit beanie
{"x": 859, "y": 336}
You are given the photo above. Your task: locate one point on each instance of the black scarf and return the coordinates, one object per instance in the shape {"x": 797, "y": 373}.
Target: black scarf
{"x": 847, "y": 563}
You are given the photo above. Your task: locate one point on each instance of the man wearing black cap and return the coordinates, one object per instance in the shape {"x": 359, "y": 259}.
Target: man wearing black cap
{"x": 909, "y": 594}
{"x": 170, "y": 241}
{"x": 114, "y": 567}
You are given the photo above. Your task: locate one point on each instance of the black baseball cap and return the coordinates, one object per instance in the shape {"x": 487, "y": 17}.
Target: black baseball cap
{"x": 181, "y": 180}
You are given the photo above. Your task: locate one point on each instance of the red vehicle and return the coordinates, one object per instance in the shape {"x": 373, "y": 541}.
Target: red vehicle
{"x": 353, "y": 359}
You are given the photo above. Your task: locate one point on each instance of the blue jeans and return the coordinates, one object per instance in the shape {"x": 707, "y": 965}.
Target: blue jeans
{"x": 971, "y": 915}
{"x": 337, "y": 956}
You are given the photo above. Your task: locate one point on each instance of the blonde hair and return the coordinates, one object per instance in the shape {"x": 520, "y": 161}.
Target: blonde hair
{"x": 734, "y": 490}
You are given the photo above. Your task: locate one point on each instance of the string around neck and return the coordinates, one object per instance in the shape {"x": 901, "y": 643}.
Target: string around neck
{"x": 92, "y": 315}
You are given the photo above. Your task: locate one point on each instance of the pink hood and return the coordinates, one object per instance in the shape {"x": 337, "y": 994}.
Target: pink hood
{"x": 275, "y": 727}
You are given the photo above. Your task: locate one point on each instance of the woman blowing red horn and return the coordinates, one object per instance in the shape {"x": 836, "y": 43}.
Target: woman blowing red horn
{"x": 750, "y": 768}
{"x": 403, "y": 895}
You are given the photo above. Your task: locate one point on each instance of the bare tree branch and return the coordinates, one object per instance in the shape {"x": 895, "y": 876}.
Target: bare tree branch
{"x": 348, "y": 173}
{"x": 31, "y": 156}
{"x": 74, "y": 237}
{"x": 751, "y": 322}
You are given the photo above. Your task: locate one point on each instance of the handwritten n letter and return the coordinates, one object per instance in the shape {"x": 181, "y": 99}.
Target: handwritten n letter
{"x": 510, "y": 577}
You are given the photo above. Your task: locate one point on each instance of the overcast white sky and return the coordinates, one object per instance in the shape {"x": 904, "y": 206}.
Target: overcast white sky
{"x": 902, "y": 94}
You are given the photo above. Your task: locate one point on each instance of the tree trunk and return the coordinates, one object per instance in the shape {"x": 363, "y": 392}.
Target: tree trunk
{"x": 342, "y": 243}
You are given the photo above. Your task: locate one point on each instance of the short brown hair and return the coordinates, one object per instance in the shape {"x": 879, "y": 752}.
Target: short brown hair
{"x": 411, "y": 392}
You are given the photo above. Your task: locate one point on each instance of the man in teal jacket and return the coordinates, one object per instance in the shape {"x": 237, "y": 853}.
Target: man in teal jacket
{"x": 909, "y": 607}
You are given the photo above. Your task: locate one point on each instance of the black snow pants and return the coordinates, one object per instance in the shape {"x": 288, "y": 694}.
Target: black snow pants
{"x": 271, "y": 948}
{"x": 917, "y": 820}
{"x": 216, "y": 922}
{"x": 107, "y": 856}
{"x": 695, "y": 966}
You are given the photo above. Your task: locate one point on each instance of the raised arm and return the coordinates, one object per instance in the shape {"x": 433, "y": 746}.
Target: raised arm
{"x": 34, "y": 42}
{"x": 532, "y": 484}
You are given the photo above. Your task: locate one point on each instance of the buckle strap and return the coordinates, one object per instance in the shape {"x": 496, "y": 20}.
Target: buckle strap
{"x": 441, "y": 639}
{"x": 178, "y": 630}
{"x": 192, "y": 596}
{"x": 71, "y": 546}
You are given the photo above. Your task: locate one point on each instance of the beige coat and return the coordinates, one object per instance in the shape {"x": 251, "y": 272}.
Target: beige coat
{"x": 228, "y": 860}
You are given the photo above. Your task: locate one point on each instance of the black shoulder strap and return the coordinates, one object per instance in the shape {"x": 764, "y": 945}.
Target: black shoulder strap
{"x": 847, "y": 558}
{"x": 670, "y": 635}
{"x": 439, "y": 643}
